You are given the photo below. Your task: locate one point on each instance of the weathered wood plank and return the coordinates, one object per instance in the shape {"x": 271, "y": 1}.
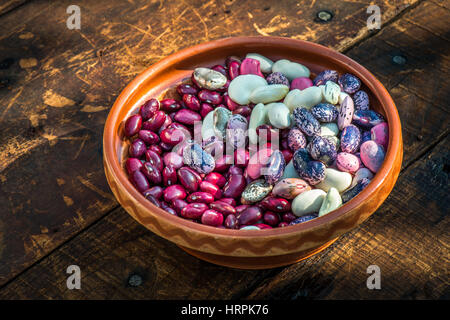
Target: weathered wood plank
{"x": 407, "y": 238}
{"x": 9, "y": 5}
{"x": 58, "y": 84}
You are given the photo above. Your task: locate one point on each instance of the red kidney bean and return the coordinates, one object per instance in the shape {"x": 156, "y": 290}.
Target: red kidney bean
{"x": 164, "y": 204}
{"x": 288, "y": 217}
{"x": 208, "y": 187}
{"x": 230, "y": 201}
{"x": 205, "y": 109}
{"x": 153, "y": 200}
{"x": 241, "y": 208}
{"x": 155, "y": 122}
{"x": 191, "y": 102}
{"x": 133, "y": 164}
{"x": 173, "y": 159}
{"x": 210, "y": 96}
{"x": 166, "y": 124}
{"x": 194, "y": 210}
{"x": 155, "y": 148}
{"x": 234, "y": 170}
{"x": 173, "y": 192}
{"x": 187, "y": 116}
{"x": 164, "y": 146}
{"x": 216, "y": 178}
{"x": 151, "y": 173}
{"x": 132, "y": 125}
{"x": 154, "y": 159}
{"x": 271, "y": 218}
{"x": 173, "y": 136}
{"x": 170, "y": 105}
{"x": 137, "y": 148}
{"x": 223, "y": 207}
{"x": 223, "y": 163}
{"x": 276, "y": 204}
{"x": 231, "y": 222}
{"x": 212, "y": 218}
{"x": 244, "y": 111}
{"x": 287, "y": 154}
{"x": 148, "y": 137}
{"x": 230, "y": 103}
{"x": 250, "y": 215}
{"x": 183, "y": 89}
{"x": 201, "y": 197}
{"x": 220, "y": 68}
{"x": 241, "y": 157}
{"x": 189, "y": 179}
{"x": 283, "y": 224}
{"x": 178, "y": 205}
{"x": 149, "y": 108}
{"x": 169, "y": 175}
{"x": 233, "y": 70}
{"x": 139, "y": 180}
{"x": 155, "y": 191}
{"x": 234, "y": 186}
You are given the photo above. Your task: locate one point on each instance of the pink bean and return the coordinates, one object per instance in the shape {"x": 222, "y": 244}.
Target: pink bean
{"x": 301, "y": 83}
{"x": 250, "y": 66}
{"x": 173, "y": 159}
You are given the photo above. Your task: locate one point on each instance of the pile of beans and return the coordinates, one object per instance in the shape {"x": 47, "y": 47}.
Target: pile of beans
{"x": 256, "y": 144}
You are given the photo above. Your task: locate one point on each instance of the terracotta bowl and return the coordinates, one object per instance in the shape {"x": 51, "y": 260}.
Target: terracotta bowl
{"x": 249, "y": 249}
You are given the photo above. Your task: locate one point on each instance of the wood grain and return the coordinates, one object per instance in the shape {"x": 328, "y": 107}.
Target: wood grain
{"x": 56, "y": 87}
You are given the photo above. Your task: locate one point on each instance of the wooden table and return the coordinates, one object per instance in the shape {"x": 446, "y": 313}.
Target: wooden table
{"x": 56, "y": 88}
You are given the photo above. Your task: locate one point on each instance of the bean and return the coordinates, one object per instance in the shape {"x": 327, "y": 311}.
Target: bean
{"x": 183, "y": 89}
{"x": 271, "y": 218}
{"x": 155, "y": 122}
{"x": 250, "y": 215}
{"x": 193, "y": 210}
{"x": 173, "y": 192}
{"x": 133, "y": 125}
{"x": 154, "y": 159}
{"x": 155, "y": 191}
{"x": 148, "y": 137}
{"x": 212, "y": 218}
{"x": 223, "y": 207}
{"x": 216, "y": 179}
{"x": 137, "y": 148}
{"x": 231, "y": 222}
{"x": 191, "y": 102}
{"x": 208, "y": 187}
{"x": 139, "y": 181}
{"x": 152, "y": 173}
{"x": 169, "y": 175}
{"x": 189, "y": 179}
{"x": 187, "y": 116}
{"x": 234, "y": 186}
{"x": 178, "y": 205}
{"x": 149, "y": 108}
{"x": 170, "y": 105}
{"x": 133, "y": 164}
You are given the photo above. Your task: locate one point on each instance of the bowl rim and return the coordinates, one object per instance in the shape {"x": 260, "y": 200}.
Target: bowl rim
{"x": 366, "y": 77}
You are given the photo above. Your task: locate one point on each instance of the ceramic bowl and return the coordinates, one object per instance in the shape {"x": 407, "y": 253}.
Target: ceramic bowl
{"x": 249, "y": 249}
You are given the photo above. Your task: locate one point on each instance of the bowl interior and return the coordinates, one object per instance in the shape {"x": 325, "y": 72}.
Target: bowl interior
{"x": 159, "y": 81}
